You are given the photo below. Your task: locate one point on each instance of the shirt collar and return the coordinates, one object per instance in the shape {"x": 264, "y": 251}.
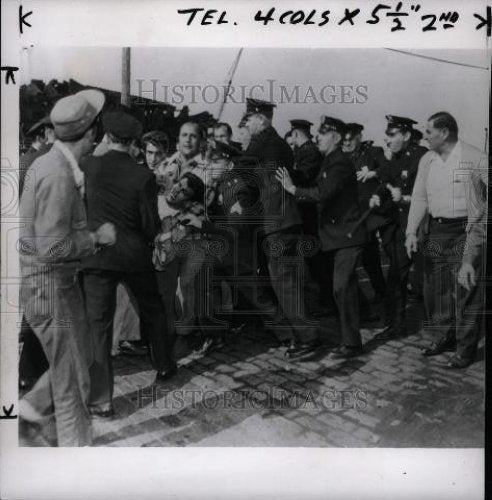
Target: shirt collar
{"x": 77, "y": 173}
{"x": 455, "y": 153}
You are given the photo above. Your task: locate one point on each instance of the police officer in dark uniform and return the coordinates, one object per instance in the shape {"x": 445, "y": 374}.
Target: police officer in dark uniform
{"x": 232, "y": 225}
{"x": 367, "y": 159}
{"x": 397, "y": 176}
{"x": 307, "y": 162}
{"x": 336, "y": 196}
{"x": 282, "y": 228}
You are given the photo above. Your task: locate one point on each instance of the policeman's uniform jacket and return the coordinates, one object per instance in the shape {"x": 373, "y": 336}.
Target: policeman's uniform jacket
{"x": 266, "y": 153}
{"x": 307, "y": 162}
{"x": 372, "y": 157}
{"x": 401, "y": 172}
{"x": 234, "y": 232}
{"x": 336, "y": 194}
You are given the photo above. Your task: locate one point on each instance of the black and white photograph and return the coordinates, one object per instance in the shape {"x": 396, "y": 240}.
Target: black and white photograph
{"x": 253, "y": 247}
{"x": 248, "y": 247}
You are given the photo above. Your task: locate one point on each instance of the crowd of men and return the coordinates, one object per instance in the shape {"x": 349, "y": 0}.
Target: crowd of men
{"x": 219, "y": 235}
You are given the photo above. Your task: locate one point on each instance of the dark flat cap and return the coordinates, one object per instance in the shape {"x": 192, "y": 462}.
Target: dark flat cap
{"x": 353, "y": 128}
{"x": 329, "y": 124}
{"x": 400, "y": 122}
{"x": 304, "y": 125}
{"x": 223, "y": 149}
{"x": 122, "y": 125}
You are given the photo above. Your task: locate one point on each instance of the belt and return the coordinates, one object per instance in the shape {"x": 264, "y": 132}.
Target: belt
{"x": 446, "y": 220}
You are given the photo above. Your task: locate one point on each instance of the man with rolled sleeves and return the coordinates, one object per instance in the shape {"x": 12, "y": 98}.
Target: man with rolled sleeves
{"x": 336, "y": 196}
{"x": 54, "y": 237}
{"x": 367, "y": 159}
{"x": 282, "y": 228}
{"x": 392, "y": 201}
{"x": 449, "y": 188}
{"x": 120, "y": 191}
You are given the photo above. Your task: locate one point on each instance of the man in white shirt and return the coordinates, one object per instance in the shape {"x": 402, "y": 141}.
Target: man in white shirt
{"x": 442, "y": 189}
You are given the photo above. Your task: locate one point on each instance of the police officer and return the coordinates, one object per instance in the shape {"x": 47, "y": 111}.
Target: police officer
{"x": 231, "y": 228}
{"x": 307, "y": 162}
{"x": 398, "y": 175}
{"x": 367, "y": 159}
{"x": 281, "y": 227}
{"x": 336, "y": 196}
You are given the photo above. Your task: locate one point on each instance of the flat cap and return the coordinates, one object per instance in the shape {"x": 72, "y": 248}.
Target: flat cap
{"x": 73, "y": 115}
{"x": 224, "y": 150}
{"x": 122, "y": 125}
{"x": 400, "y": 122}
{"x": 304, "y": 125}
{"x": 329, "y": 124}
{"x": 353, "y": 128}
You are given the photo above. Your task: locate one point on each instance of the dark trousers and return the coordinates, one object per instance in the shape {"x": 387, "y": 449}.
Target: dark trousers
{"x": 454, "y": 313}
{"x": 100, "y": 299}
{"x": 345, "y": 293}
{"x": 371, "y": 261}
{"x": 287, "y": 269}
{"x": 32, "y": 360}
{"x": 395, "y": 300}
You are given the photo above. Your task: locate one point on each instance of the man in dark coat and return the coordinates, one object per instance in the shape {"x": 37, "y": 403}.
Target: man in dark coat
{"x": 397, "y": 176}
{"x": 307, "y": 161}
{"x": 336, "y": 196}
{"x": 120, "y": 191}
{"x": 282, "y": 228}
{"x": 367, "y": 159}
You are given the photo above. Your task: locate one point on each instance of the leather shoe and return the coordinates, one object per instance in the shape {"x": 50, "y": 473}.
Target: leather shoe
{"x": 301, "y": 349}
{"x": 164, "y": 375}
{"x": 345, "y": 351}
{"x": 132, "y": 349}
{"x": 457, "y": 362}
{"x": 437, "y": 348}
{"x": 101, "y": 413}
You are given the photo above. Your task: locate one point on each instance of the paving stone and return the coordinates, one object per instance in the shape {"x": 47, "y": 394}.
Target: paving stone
{"x": 362, "y": 418}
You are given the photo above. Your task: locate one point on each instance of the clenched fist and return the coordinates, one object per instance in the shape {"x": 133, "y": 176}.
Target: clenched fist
{"x": 105, "y": 234}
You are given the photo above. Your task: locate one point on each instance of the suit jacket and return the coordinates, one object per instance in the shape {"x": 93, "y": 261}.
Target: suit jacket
{"x": 336, "y": 194}
{"x": 54, "y": 233}
{"x": 120, "y": 191}
{"x": 266, "y": 152}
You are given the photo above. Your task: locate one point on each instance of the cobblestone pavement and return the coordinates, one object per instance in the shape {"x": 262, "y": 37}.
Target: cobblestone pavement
{"x": 248, "y": 394}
